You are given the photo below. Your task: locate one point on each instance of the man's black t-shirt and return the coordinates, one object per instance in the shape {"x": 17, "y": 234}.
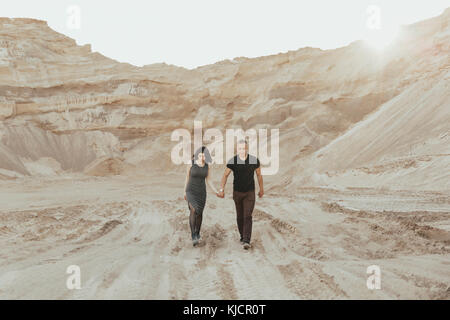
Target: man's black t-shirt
{"x": 243, "y": 172}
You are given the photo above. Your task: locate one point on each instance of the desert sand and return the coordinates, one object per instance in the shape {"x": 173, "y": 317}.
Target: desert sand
{"x": 86, "y": 177}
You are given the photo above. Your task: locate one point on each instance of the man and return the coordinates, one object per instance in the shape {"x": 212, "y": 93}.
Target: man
{"x": 243, "y": 166}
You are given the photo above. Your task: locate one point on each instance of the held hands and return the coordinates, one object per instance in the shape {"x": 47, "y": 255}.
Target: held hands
{"x": 221, "y": 194}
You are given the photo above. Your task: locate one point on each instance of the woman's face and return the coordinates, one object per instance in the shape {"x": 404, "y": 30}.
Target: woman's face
{"x": 201, "y": 157}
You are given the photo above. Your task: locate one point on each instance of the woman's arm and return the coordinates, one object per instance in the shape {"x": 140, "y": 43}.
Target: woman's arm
{"x": 210, "y": 185}
{"x": 188, "y": 169}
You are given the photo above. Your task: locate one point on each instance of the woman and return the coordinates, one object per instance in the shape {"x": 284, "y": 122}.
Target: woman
{"x": 195, "y": 190}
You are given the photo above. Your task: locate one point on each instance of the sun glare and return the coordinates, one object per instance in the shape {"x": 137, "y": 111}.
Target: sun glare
{"x": 379, "y": 39}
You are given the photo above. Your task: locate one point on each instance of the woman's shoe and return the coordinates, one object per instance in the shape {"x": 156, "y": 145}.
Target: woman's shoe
{"x": 196, "y": 239}
{"x": 247, "y": 245}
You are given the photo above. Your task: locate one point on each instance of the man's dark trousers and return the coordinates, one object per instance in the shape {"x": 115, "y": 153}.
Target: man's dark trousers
{"x": 245, "y": 202}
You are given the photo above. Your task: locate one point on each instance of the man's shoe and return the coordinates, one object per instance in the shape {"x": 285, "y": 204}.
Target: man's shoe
{"x": 195, "y": 242}
{"x": 247, "y": 245}
{"x": 242, "y": 241}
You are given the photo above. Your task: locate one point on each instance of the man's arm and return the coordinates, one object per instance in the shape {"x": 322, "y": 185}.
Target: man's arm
{"x": 260, "y": 182}
{"x": 224, "y": 182}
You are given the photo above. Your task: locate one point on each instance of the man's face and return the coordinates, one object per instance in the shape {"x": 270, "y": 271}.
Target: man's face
{"x": 242, "y": 150}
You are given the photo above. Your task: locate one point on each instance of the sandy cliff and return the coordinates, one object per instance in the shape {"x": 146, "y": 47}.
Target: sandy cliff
{"x": 381, "y": 116}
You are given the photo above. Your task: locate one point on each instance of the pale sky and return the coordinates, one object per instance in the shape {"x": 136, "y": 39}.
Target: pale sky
{"x": 191, "y": 33}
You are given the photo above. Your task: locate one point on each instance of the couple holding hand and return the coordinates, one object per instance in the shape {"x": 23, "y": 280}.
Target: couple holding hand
{"x": 243, "y": 166}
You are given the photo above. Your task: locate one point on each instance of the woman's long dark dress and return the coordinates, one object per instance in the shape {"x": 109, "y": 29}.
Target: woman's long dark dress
{"x": 196, "y": 196}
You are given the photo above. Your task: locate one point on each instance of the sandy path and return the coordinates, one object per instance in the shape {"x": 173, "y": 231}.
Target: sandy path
{"x": 132, "y": 241}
